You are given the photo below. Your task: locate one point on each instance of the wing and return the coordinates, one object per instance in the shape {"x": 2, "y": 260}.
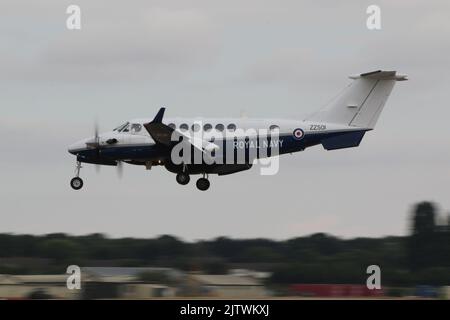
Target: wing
{"x": 162, "y": 134}
{"x": 159, "y": 131}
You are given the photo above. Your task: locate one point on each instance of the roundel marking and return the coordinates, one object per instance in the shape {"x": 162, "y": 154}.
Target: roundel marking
{"x": 298, "y": 134}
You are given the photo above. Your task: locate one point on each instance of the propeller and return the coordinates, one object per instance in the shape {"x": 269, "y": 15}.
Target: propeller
{"x": 120, "y": 169}
{"x": 96, "y": 137}
{"x": 95, "y": 144}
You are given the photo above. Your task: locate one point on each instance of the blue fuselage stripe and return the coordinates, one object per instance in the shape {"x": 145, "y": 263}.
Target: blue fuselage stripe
{"x": 147, "y": 152}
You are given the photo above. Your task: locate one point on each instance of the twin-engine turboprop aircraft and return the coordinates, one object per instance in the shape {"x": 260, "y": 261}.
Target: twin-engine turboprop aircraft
{"x": 340, "y": 124}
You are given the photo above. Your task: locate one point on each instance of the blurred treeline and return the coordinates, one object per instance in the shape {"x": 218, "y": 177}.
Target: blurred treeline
{"x": 423, "y": 257}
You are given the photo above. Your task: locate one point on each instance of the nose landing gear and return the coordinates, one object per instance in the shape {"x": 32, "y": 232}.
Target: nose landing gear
{"x": 77, "y": 183}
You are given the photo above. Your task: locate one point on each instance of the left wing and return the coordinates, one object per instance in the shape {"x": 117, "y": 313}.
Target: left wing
{"x": 162, "y": 134}
{"x": 158, "y": 130}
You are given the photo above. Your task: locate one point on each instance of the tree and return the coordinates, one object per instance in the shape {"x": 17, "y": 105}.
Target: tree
{"x": 61, "y": 250}
{"x": 423, "y": 247}
{"x": 424, "y": 218}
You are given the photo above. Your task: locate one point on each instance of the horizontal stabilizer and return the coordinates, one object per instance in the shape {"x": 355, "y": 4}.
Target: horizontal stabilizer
{"x": 381, "y": 75}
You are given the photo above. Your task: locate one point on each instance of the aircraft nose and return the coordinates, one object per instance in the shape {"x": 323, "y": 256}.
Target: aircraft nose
{"x": 76, "y": 147}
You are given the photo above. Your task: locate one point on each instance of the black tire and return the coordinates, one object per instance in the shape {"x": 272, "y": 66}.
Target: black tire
{"x": 202, "y": 184}
{"x": 76, "y": 183}
{"x": 183, "y": 178}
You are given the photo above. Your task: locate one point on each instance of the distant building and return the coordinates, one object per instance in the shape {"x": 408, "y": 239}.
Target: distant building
{"x": 146, "y": 291}
{"x": 132, "y": 283}
{"x": 125, "y": 283}
{"x": 250, "y": 273}
{"x": 334, "y": 290}
{"x": 36, "y": 286}
{"x": 223, "y": 286}
{"x": 445, "y": 292}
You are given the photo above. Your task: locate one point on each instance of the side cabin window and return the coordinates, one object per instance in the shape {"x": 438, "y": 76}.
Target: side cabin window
{"x": 195, "y": 127}
{"x": 220, "y": 127}
{"x": 231, "y": 127}
{"x": 273, "y": 127}
{"x": 172, "y": 125}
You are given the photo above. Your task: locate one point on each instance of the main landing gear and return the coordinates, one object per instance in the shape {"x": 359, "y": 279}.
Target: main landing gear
{"x": 77, "y": 183}
{"x": 183, "y": 178}
{"x": 202, "y": 183}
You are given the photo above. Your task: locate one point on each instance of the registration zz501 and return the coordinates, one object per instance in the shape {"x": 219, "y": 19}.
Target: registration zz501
{"x": 317, "y": 127}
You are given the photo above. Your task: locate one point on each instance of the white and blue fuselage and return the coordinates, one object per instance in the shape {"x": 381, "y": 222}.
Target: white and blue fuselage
{"x": 149, "y": 142}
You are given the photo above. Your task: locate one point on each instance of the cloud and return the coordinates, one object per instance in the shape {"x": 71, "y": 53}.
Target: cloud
{"x": 412, "y": 40}
{"x": 148, "y": 43}
{"x": 154, "y": 37}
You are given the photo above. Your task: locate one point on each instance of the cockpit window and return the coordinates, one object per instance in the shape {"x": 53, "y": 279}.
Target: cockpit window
{"x": 126, "y": 128}
{"x": 121, "y": 127}
{"x": 135, "y": 127}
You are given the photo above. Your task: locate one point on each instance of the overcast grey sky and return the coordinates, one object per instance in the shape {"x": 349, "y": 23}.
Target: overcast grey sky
{"x": 280, "y": 59}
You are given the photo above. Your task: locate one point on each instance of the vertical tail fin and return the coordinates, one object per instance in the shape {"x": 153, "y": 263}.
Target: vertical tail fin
{"x": 361, "y": 103}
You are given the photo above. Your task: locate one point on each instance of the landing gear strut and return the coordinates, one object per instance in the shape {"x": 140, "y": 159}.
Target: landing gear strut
{"x": 203, "y": 183}
{"x": 77, "y": 183}
{"x": 183, "y": 177}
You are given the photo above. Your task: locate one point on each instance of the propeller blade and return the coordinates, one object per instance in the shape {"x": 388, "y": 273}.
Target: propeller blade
{"x": 96, "y": 138}
{"x": 120, "y": 169}
{"x": 95, "y": 142}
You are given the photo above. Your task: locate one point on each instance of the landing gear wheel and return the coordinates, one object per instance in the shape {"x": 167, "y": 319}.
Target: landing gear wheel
{"x": 183, "y": 178}
{"x": 76, "y": 183}
{"x": 202, "y": 184}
